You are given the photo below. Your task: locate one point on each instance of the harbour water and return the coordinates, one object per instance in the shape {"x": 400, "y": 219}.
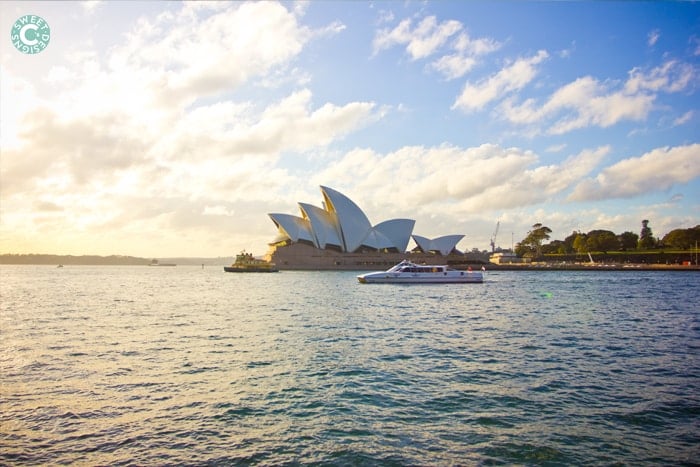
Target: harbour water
{"x": 162, "y": 366}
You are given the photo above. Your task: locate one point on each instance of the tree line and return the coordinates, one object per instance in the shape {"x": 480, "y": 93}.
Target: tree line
{"x": 605, "y": 241}
{"x": 114, "y": 260}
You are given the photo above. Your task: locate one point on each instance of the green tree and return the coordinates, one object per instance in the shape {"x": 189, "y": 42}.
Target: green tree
{"x": 682, "y": 238}
{"x": 580, "y": 244}
{"x": 628, "y": 240}
{"x": 569, "y": 242}
{"x": 677, "y": 238}
{"x": 602, "y": 240}
{"x": 646, "y": 237}
{"x": 534, "y": 239}
{"x": 523, "y": 250}
{"x": 554, "y": 247}
{"x": 608, "y": 241}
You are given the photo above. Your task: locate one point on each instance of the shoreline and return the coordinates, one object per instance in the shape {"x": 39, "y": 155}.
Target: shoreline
{"x": 591, "y": 267}
{"x": 463, "y": 266}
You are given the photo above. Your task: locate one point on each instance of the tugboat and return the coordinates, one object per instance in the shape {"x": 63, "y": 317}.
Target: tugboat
{"x": 245, "y": 262}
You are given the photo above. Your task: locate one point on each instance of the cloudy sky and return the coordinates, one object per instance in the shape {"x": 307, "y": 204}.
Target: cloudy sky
{"x": 162, "y": 129}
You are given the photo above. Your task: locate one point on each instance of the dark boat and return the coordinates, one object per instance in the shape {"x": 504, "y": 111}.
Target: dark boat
{"x": 245, "y": 262}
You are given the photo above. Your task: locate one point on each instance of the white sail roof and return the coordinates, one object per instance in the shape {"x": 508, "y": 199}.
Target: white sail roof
{"x": 377, "y": 240}
{"x": 324, "y": 227}
{"x": 444, "y": 245}
{"x": 353, "y": 223}
{"x": 398, "y": 231}
{"x": 342, "y": 224}
{"x": 294, "y": 227}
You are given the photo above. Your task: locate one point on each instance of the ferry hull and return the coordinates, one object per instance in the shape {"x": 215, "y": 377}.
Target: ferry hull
{"x": 392, "y": 278}
{"x": 249, "y": 269}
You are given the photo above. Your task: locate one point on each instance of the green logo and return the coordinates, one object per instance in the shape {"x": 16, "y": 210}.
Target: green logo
{"x": 30, "y": 34}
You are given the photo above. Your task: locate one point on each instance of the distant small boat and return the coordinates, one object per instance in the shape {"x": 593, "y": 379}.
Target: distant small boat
{"x": 245, "y": 262}
{"x": 407, "y": 272}
{"x": 59, "y": 266}
{"x": 155, "y": 262}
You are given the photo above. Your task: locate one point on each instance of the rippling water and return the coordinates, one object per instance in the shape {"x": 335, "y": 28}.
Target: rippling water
{"x": 137, "y": 365}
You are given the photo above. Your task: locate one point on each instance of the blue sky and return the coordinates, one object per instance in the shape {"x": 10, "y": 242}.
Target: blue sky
{"x": 171, "y": 129}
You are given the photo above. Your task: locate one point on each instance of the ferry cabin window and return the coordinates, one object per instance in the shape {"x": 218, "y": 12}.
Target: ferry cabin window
{"x": 421, "y": 269}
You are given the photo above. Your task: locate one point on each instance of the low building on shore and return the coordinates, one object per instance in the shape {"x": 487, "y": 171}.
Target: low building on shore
{"x": 507, "y": 257}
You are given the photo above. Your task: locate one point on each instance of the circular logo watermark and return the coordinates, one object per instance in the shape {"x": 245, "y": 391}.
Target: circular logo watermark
{"x": 30, "y": 34}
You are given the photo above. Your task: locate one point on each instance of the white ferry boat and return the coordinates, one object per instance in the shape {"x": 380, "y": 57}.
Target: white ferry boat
{"x": 407, "y": 272}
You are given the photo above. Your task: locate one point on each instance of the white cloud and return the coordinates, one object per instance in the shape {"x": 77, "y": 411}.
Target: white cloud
{"x": 475, "y": 47}
{"x": 556, "y": 148}
{"x": 454, "y": 180}
{"x": 89, "y": 6}
{"x": 454, "y": 66}
{"x": 449, "y": 189}
{"x": 126, "y": 139}
{"x": 467, "y": 51}
{"x": 335, "y": 27}
{"x": 385, "y": 16}
{"x": 587, "y": 102}
{"x": 672, "y": 76}
{"x": 18, "y": 94}
{"x": 566, "y": 53}
{"x": 421, "y": 41}
{"x": 446, "y": 173}
{"x": 537, "y": 185}
{"x": 428, "y": 37}
{"x": 198, "y": 120}
{"x": 657, "y": 170}
{"x": 292, "y": 125}
{"x": 200, "y": 151}
{"x": 683, "y": 119}
{"x": 511, "y": 78}
{"x": 653, "y": 37}
{"x": 218, "y": 210}
{"x": 188, "y": 54}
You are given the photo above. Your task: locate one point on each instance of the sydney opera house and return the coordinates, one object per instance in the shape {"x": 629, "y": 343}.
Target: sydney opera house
{"x": 340, "y": 236}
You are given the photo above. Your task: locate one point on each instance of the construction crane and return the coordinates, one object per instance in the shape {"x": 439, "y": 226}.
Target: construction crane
{"x": 493, "y": 237}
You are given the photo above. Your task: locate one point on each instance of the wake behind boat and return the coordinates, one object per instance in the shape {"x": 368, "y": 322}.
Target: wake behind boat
{"x": 407, "y": 272}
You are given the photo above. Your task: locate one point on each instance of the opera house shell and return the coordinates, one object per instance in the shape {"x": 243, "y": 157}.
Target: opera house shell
{"x": 340, "y": 236}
